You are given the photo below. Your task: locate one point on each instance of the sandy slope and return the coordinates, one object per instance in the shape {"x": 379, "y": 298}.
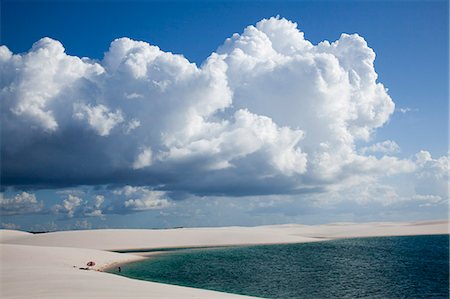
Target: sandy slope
{"x": 49, "y": 272}
{"x": 47, "y": 265}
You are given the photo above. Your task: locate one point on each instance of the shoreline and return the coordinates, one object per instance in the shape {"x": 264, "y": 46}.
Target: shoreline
{"x": 106, "y": 268}
{"x": 25, "y": 256}
{"x": 170, "y": 249}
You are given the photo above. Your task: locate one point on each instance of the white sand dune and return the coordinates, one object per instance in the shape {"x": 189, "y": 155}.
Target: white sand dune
{"x": 53, "y": 272}
{"x": 112, "y": 239}
{"x": 47, "y": 265}
{"x": 8, "y": 235}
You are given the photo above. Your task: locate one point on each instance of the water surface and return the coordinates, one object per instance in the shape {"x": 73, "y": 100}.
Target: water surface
{"x": 382, "y": 267}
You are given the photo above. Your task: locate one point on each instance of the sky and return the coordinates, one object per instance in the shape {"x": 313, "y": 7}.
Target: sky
{"x": 154, "y": 114}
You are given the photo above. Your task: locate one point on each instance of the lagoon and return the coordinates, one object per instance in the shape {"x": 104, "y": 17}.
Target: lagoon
{"x": 381, "y": 267}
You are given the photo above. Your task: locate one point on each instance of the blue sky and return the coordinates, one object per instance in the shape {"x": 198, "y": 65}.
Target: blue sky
{"x": 410, "y": 39}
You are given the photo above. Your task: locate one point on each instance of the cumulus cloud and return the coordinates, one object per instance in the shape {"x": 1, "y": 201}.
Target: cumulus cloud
{"x": 144, "y": 159}
{"x": 100, "y": 118}
{"x": 68, "y": 206}
{"x": 74, "y": 206}
{"x": 432, "y": 175}
{"x": 22, "y": 203}
{"x": 151, "y": 201}
{"x": 385, "y": 147}
{"x": 136, "y": 199}
{"x": 267, "y": 113}
{"x": 132, "y": 124}
{"x": 423, "y": 183}
{"x": 99, "y": 199}
{"x": 34, "y": 83}
{"x": 95, "y": 209}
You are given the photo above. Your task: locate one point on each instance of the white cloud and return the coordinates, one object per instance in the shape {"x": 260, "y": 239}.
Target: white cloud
{"x": 139, "y": 199}
{"x": 150, "y": 202}
{"x": 423, "y": 182}
{"x": 132, "y": 124}
{"x": 127, "y": 190}
{"x": 73, "y": 191}
{"x": 432, "y": 175}
{"x": 99, "y": 117}
{"x": 68, "y": 206}
{"x": 94, "y": 213}
{"x": 385, "y": 147}
{"x": 267, "y": 113}
{"x": 74, "y": 206}
{"x": 99, "y": 199}
{"x": 38, "y": 79}
{"x": 406, "y": 110}
{"x": 95, "y": 209}
{"x": 22, "y": 203}
{"x": 144, "y": 159}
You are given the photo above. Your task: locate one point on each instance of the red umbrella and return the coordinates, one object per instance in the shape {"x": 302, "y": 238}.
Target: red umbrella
{"x": 91, "y": 264}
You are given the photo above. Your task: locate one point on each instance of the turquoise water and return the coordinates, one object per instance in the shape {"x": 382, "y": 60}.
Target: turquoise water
{"x": 384, "y": 267}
